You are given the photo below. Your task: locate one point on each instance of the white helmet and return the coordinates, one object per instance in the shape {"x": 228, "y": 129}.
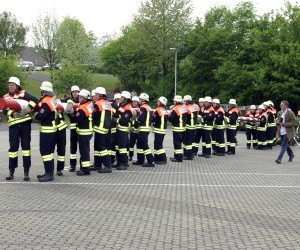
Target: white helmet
{"x": 126, "y": 94}
{"x": 75, "y": 88}
{"x": 201, "y": 99}
{"x": 46, "y": 86}
{"x": 217, "y": 101}
{"x": 178, "y": 98}
{"x": 261, "y": 107}
{"x": 93, "y": 93}
{"x": 163, "y": 100}
{"x": 144, "y": 96}
{"x": 84, "y": 93}
{"x": 271, "y": 104}
{"x": 15, "y": 80}
{"x": 187, "y": 98}
{"x": 232, "y": 101}
{"x": 100, "y": 90}
{"x": 252, "y": 107}
{"x": 135, "y": 98}
{"x": 117, "y": 96}
{"x": 207, "y": 99}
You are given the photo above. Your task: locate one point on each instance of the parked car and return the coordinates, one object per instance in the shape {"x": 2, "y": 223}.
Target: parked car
{"x": 38, "y": 68}
{"x": 26, "y": 65}
{"x": 55, "y": 66}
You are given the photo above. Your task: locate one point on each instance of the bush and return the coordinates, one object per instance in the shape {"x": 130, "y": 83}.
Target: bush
{"x": 72, "y": 74}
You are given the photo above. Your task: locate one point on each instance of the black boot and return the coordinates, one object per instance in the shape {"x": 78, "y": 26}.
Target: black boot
{"x": 26, "y": 176}
{"x": 105, "y": 170}
{"x": 46, "y": 178}
{"x": 83, "y": 172}
{"x": 72, "y": 168}
{"x": 94, "y": 168}
{"x": 59, "y": 173}
{"x": 11, "y": 175}
{"x": 40, "y": 176}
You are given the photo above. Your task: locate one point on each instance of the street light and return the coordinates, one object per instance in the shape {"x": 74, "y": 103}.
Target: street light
{"x": 175, "y": 50}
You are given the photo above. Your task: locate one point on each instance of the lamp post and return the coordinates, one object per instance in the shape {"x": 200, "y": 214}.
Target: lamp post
{"x": 175, "y": 83}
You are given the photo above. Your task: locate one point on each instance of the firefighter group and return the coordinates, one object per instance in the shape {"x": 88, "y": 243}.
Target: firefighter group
{"x": 121, "y": 124}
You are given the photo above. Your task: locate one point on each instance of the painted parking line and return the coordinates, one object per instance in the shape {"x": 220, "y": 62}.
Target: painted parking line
{"x": 147, "y": 185}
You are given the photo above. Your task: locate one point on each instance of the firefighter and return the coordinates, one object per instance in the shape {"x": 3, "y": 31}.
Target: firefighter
{"x": 271, "y": 124}
{"x": 93, "y": 96}
{"x": 74, "y": 99}
{"x": 262, "y": 128}
{"x": 102, "y": 116}
{"x": 160, "y": 120}
{"x": 46, "y": 115}
{"x": 125, "y": 112}
{"x": 191, "y": 124}
{"x": 219, "y": 126}
{"x": 113, "y": 127}
{"x": 144, "y": 127}
{"x": 19, "y": 124}
{"x": 274, "y": 111}
{"x": 178, "y": 119}
{"x": 60, "y": 141}
{"x": 199, "y": 127}
{"x": 251, "y": 132}
{"x": 84, "y": 129}
{"x": 208, "y": 123}
{"x": 232, "y": 116}
{"x": 134, "y": 127}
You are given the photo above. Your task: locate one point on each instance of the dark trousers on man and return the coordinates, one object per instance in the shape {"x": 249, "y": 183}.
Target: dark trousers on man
{"x": 177, "y": 142}
{"x": 143, "y": 149}
{"x": 16, "y": 132}
{"x": 220, "y": 141}
{"x": 270, "y": 137}
{"x": 159, "y": 151}
{"x": 84, "y": 150}
{"x": 47, "y": 145}
{"x": 73, "y": 147}
{"x": 132, "y": 142}
{"x": 206, "y": 142}
{"x": 198, "y": 136}
{"x": 231, "y": 140}
{"x": 102, "y": 150}
{"x": 189, "y": 138}
{"x": 251, "y": 135}
{"x": 122, "y": 144}
{"x": 61, "y": 141}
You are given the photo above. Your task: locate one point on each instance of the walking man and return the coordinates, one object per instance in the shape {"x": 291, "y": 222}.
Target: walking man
{"x": 286, "y": 122}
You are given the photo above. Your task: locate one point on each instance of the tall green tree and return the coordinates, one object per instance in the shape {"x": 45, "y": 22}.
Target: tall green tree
{"x": 45, "y": 37}
{"x": 12, "y": 34}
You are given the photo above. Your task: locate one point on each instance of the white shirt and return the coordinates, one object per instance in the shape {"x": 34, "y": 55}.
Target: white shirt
{"x": 283, "y": 129}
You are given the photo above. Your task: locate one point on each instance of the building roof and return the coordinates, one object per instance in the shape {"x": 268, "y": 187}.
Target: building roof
{"x": 30, "y": 54}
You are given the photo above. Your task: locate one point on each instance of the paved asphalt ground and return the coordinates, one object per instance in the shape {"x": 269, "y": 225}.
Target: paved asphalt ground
{"x": 245, "y": 201}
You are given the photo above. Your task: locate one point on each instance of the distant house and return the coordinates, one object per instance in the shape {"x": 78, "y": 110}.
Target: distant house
{"x": 31, "y": 55}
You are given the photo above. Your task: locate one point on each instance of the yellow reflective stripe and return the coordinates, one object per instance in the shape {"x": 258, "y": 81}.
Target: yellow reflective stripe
{"x": 32, "y": 103}
{"x": 73, "y": 156}
{"x": 100, "y": 130}
{"x": 85, "y": 164}
{"x": 160, "y": 151}
{"x": 123, "y": 128}
{"x": 123, "y": 150}
{"x": 60, "y": 158}
{"x": 102, "y": 119}
{"x": 45, "y": 129}
{"x": 72, "y": 125}
{"x": 47, "y": 158}
{"x": 188, "y": 147}
{"x": 222, "y": 145}
{"x": 103, "y": 152}
{"x": 147, "y": 152}
{"x": 232, "y": 145}
{"x": 26, "y": 152}
{"x": 144, "y": 129}
{"x": 112, "y": 152}
{"x": 97, "y": 153}
{"x": 261, "y": 129}
{"x": 159, "y": 131}
{"x": 178, "y": 151}
{"x": 208, "y": 145}
{"x": 14, "y": 121}
{"x": 139, "y": 151}
{"x": 178, "y": 129}
{"x": 13, "y": 154}
{"x": 231, "y": 126}
{"x": 113, "y": 130}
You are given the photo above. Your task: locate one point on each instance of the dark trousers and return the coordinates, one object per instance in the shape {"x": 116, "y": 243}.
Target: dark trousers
{"x": 16, "y": 133}
{"x": 132, "y": 141}
{"x": 213, "y": 140}
{"x": 159, "y": 151}
{"x": 251, "y": 137}
{"x": 47, "y": 145}
{"x": 177, "y": 142}
{"x": 102, "y": 149}
{"x": 84, "y": 150}
{"x": 73, "y": 147}
{"x": 261, "y": 139}
{"x": 198, "y": 136}
{"x": 189, "y": 138}
{"x": 270, "y": 136}
{"x": 206, "y": 142}
{"x": 231, "y": 140}
{"x": 60, "y": 142}
{"x": 142, "y": 148}
{"x": 113, "y": 149}
{"x": 220, "y": 141}
{"x": 122, "y": 143}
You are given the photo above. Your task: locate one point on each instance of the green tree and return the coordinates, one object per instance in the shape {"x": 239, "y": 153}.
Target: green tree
{"x": 12, "y": 34}
{"x": 72, "y": 74}
{"x": 45, "y": 38}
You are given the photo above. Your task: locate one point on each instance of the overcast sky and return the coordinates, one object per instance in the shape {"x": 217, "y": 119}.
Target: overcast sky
{"x": 111, "y": 15}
